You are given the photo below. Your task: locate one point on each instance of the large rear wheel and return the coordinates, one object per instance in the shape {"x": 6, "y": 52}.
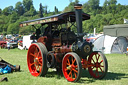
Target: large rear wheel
{"x": 71, "y": 67}
{"x": 98, "y": 65}
{"x": 36, "y": 59}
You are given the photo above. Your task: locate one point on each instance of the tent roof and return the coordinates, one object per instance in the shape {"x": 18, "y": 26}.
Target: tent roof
{"x": 116, "y": 30}
{"x": 59, "y": 18}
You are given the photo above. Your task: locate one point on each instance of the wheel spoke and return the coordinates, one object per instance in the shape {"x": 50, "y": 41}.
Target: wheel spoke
{"x": 70, "y": 72}
{"x": 38, "y": 54}
{"x": 40, "y": 63}
{"x": 32, "y": 55}
{"x": 75, "y": 70}
{"x": 68, "y": 63}
{"x": 91, "y": 64}
{"x": 76, "y": 66}
{"x": 32, "y": 64}
{"x": 98, "y": 58}
{"x": 66, "y": 69}
{"x": 101, "y": 66}
{"x": 101, "y": 69}
{"x": 96, "y": 72}
{"x": 75, "y": 74}
{"x": 39, "y": 58}
{"x": 36, "y": 50}
{"x": 73, "y": 61}
{"x": 101, "y": 61}
{"x": 93, "y": 60}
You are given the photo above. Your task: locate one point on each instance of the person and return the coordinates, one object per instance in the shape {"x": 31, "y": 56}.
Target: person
{"x": 8, "y": 45}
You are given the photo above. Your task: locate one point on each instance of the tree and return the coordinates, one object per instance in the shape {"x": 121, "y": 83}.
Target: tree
{"x": 13, "y": 28}
{"x": 14, "y": 17}
{"x": 45, "y": 9}
{"x": 0, "y": 11}
{"x": 56, "y": 10}
{"x": 112, "y": 2}
{"x": 112, "y": 6}
{"x": 41, "y": 10}
{"x": 19, "y": 8}
{"x": 70, "y": 7}
{"x": 94, "y": 4}
{"x": 86, "y": 7}
{"x": 8, "y": 10}
{"x": 76, "y": 1}
{"x": 27, "y": 4}
{"x": 32, "y": 10}
{"x": 105, "y": 6}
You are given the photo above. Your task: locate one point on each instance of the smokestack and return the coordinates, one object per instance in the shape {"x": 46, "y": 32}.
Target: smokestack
{"x": 78, "y": 13}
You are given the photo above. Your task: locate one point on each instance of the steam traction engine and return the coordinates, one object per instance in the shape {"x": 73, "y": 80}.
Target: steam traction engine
{"x": 59, "y": 47}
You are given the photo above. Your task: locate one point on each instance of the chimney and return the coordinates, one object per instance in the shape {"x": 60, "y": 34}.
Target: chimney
{"x": 78, "y": 13}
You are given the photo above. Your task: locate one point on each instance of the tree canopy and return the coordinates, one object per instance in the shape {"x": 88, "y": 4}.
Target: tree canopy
{"x": 108, "y": 14}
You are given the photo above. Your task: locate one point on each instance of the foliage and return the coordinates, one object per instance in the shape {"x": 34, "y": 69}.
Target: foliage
{"x": 8, "y": 10}
{"x": 27, "y": 4}
{"x": 41, "y": 10}
{"x": 108, "y": 14}
{"x": 56, "y": 10}
{"x": 117, "y": 72}
{"x": 19, "y": 8}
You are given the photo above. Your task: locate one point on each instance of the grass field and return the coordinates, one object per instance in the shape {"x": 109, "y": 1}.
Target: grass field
{"x": 117, "y": 72}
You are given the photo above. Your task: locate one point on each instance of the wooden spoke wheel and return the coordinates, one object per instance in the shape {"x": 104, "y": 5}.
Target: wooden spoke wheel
{"x": 71, "y": 67}
{"x": 36, "y": 59}
{"x": 98, "y": 65}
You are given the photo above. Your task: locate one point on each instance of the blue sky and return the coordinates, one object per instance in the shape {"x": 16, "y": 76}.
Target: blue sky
{"x": 60, "y": 4}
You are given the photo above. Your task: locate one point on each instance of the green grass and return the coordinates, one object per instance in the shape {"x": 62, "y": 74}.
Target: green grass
{"x": 117, "y": 72}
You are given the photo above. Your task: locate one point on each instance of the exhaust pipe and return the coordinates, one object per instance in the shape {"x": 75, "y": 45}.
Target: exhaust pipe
{"x": 78, "y": 13}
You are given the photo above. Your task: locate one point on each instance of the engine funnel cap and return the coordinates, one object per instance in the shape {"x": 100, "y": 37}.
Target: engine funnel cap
{"x": 78, "y": 6}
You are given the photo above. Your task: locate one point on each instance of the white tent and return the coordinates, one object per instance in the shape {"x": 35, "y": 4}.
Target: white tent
{"x": 108, "y": 44}
{"x": 114, "y": 39}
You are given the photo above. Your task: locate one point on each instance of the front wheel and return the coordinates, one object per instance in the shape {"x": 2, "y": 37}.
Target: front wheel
{"x": 71, "y": 67}
{"x": 98, "y": 65}
{"x": 36, "y": 59}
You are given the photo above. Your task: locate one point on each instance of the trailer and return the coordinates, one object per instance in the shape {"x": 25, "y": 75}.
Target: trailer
{"x": 26, "y": 42}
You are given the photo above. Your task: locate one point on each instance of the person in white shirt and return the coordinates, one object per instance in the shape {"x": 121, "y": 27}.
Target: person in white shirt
{"x": 8, "y": 45}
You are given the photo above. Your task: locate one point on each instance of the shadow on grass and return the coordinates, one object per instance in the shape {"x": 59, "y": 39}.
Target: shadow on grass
{"x": 109, "y": 76}
{"x": 55, "y": 74}
{"x": 115, "y": 76}
{"x": 85, "y": 74}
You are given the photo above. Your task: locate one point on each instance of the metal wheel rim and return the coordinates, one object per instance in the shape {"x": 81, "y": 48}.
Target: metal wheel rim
{"x": 34, "y": 60}
{"x": 71, "y": 68}
{"x": 98, "y": 68}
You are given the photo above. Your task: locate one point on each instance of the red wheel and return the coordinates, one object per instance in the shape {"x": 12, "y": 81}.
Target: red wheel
{"x": 71, "y": 67}
{"x": 99, "y": 65}
{"x": 36, "y": 59}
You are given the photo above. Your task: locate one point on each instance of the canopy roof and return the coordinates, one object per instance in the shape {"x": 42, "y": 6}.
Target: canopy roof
{"x": 59, "y": 18}
{"x": 116, "y": 30}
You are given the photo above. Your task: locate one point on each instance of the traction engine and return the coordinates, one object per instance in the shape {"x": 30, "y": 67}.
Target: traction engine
{"x": 59, "y": 47}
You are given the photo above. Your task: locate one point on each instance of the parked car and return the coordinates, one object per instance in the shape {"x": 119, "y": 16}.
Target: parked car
{"x": 2, "y": 43}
